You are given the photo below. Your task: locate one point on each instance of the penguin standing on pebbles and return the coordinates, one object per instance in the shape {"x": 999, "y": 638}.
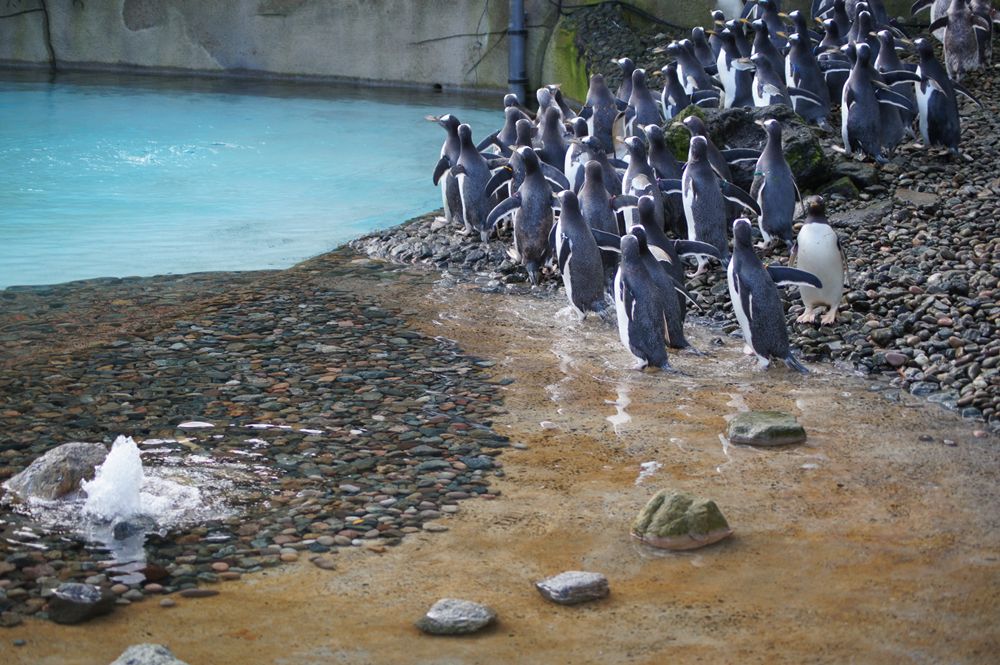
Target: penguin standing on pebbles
{"x": 450, "y": 151}
{"x": 774, "y": 188}
{"x": 755, "y": 299}
{"x": 818, "y": 251}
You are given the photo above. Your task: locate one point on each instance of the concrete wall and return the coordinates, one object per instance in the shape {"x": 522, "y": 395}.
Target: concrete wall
{"x": 423, "y": 42}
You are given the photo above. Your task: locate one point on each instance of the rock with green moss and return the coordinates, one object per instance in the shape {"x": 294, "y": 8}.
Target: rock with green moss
{"x": 765, "y": 428}
{"x": 844, "y": 187}
{"x": 677, "y": 135}
{"x": 678, "y": 521}
{"x": 564, "y": 63}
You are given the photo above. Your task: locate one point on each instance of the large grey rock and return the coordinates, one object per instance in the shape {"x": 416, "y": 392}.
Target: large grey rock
{"x": 75, "y": 603}
{"x": 58, "y": 472}
{"x": 765, "y": 428}
{"x": 147, "y": 654}
{"x": 574, "y": 586}
{"x": 451, "y": 616}
{"x": 678, "y": 521}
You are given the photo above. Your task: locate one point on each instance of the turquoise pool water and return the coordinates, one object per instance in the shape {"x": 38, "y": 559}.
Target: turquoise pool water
{"x": 124, "y": 176}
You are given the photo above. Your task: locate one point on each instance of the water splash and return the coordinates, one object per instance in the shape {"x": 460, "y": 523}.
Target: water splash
{"x": 115, "y": 492}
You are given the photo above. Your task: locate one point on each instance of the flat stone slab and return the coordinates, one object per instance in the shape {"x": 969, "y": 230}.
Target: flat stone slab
{"x": 452, "y": 616}
{"x": 678, "y": 521}
{"x": 765, "y": 428}
{"x": 73, "y": 602}
{"x": 573, "y": 587}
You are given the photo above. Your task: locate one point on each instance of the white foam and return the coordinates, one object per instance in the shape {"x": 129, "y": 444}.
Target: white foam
{"x": 195, "y": 424}
{"x": 647, "y": 470}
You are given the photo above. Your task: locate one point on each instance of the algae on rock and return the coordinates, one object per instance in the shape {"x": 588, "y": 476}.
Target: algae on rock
{"x": 678, "y": 521}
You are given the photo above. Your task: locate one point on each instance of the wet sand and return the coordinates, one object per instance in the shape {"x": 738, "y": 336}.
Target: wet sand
{"x": 866, "y": 544}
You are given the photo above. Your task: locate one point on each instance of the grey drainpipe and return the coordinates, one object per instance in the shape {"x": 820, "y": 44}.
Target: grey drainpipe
{"x": 518, "y": 71}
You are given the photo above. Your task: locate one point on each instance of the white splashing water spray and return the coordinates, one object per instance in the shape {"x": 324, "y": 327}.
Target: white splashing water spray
{"x": 115, "y": 492}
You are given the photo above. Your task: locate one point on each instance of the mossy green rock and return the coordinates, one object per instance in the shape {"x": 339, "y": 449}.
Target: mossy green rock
{"x": 765, "y": 428}
{"x": 677, "y": 135}
{"x": 678, "y": 521}
{"x": 841, "y": 186}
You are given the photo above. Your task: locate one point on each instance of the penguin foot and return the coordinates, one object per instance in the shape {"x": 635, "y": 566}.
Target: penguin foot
{"x": 747, "y": 350}
{"x": 792, "y": 363}
{"x": 829, "y": 318}
{"x": 808, "y": 316}
{"x": 640, "y": 366}
{"x": 690, "y": 350}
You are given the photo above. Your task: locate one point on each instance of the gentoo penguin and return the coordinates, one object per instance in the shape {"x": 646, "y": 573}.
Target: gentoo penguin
{"x": 690, "y": 71}
{"x": 755, "y": 299}
{"x": 450, "y": 150}
{"x": 674, "y": 98}
{"x": 718, "y": 25}
{"x": 764, "y": 48}
{"x": 554, "y": 145}
{"x": 818, "y": 251}
{"x": 739, "y": 30}
{"x": 668, "y": 291}
{"x": 642, "y": 103}
{"x": 961, "y": 43}
{"x": 640, "y": 309}
{"x": 625, "y": 87}
{"x": 596, "y": 203}
{"x": 704, "y": 195}
{"x": 600, "y": 111}
{"x": 861, "y": 118}
{"x": 937, "y": 103}
{"x": 473, "y": 172}
{"x": 532, "y": 206}
{"x": 802, "y": 72}
{"x": 735, "y": 73}
{"x": 702, "y": 51}
{"x": 888, "y": 61}
{"x": 985, "y": 9}
{"x": 557, "y": 96}
{"x": 771, "y": 16}
{"x": 505, "y": 139}
{"x": 609, "y": 166}
{"x": 769, "y": 88}
{"x": 774, "y": 188}
{"x": 578, "y": 258}
{"x": 835, "y": 11}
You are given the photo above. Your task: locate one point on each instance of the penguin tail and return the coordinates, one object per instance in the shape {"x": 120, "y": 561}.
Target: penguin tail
{"x": 792, "y": 363}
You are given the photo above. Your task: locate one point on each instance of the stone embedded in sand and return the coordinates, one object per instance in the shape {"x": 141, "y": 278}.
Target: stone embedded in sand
{"x": 147, "y": 654}
{"x": 58, "y": 472}
{"x": 574, "y": 586}
{"x": 765, "y": 428}
{"x": 678, "y": 521}
{"x": 451, "y": 616}
{"x": 73, "y": 602}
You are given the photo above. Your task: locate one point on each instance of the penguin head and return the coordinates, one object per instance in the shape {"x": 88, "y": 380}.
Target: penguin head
{"x": 593, "y": 146}
{"x": 512, "y": 114}
{"x": 638, "y": 77}
{"x": 864, "y": 21}
{"x": 760, "y": 28}
{"x": 636, "y": 148}
{"x": 552, "y": 119}
{"x": 598, "y": 87}
{"x": 695, "y": 125}
{"x": 529, "y": 159}
{"x": 718, "y": 17}
{"x": 640, "y": 236}
{"x": 831, "y": 29}
{"x": 592, "y": 171}
{"x": 579, "y": 127}
{"x": 630, "y": 247}
{"x": 465, "y": 133}
{"x": 626, "y": 65}
{"x": 886, "y": 40}
{"x": 741, "y": 233}
{"x": 569, "y": 204}
{"x": 864, "y": 54}
{"x": 699, "y": 149}
{"x": 448, "y": 121}
{"x": 924, "y": 48}
{"x": 773, "y": 129}
{"x": 647, "y": 211}
{"x": 670, "y": 72}
{"x": 544, "y": 97}
{"x": 510, "y": 100}
{"x": 654, "y": 134}
{"x": 815, "y": 207}
{"x": 760, "y": 61}
{"x": 673, "y": 48}
{"x": 697, "y": 34}
{"x": 524, "y": 129}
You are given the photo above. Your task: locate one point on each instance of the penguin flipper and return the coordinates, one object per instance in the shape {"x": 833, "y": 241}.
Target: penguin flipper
{"x": 798, "y": 93}
{"x": 563, "y": 253}
{"x": 555, "y": 176}
{"x": 895, "y": 76}
{"x": 669, "y": 185}
{"x": 607, "y": 241}
{"x": 961, "y": 89}
{"x": 941, "y": 22}
{"x": 552, "y": 238}
{"x": 733, "y": 155}
{"x": 737, "y": 195}
{"x": 843, "y": 260}
{"x": 443, "y": 165}
{"x": 792, "y": 363}
{"x": 919, "y": 6}
{"x": 498, "y": 179}
{"x": 623, "y": 201}
{"x": 886, "y": 96}
{"x": 494, "y": 162}
{"x": 784, "y": 276}
{"x": 488, "y": 141}
{"x": 586, "y": 112}
{"x": 695, "y": 248}
{"x": 618, "y": 163}
{"x": 503, "y": 208}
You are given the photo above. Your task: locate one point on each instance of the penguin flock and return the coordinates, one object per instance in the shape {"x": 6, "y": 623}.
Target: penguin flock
{"x": 597, "y": 194}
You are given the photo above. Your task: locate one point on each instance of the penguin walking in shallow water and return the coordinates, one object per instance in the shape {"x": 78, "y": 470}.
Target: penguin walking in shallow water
{"x": 640, "y": 309}
{"x": 450, "y": 150}
{"x": 755, "y": 299}
{"x": 578, "y": 258}
{"x": 818, "y": 251}
{"x": 774, "y": 188}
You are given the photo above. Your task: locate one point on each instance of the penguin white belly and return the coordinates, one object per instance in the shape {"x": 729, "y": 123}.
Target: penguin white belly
{"x": 760, "y": 220}
{"x": 844, "y": 117}
{"x": 742, "y": 317}
{"x": 573, "y": 163}
{"x": 687, "y": 199}
{"x": 923, "y": 104}
{"x": 758, "y": 94}
{"x": 728, "y": 77}
{"x": 621, "y": 313}
{"x": 444, "y": 198}
{"x": 461, "y": 195}
{"x": 819, "y": 254}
